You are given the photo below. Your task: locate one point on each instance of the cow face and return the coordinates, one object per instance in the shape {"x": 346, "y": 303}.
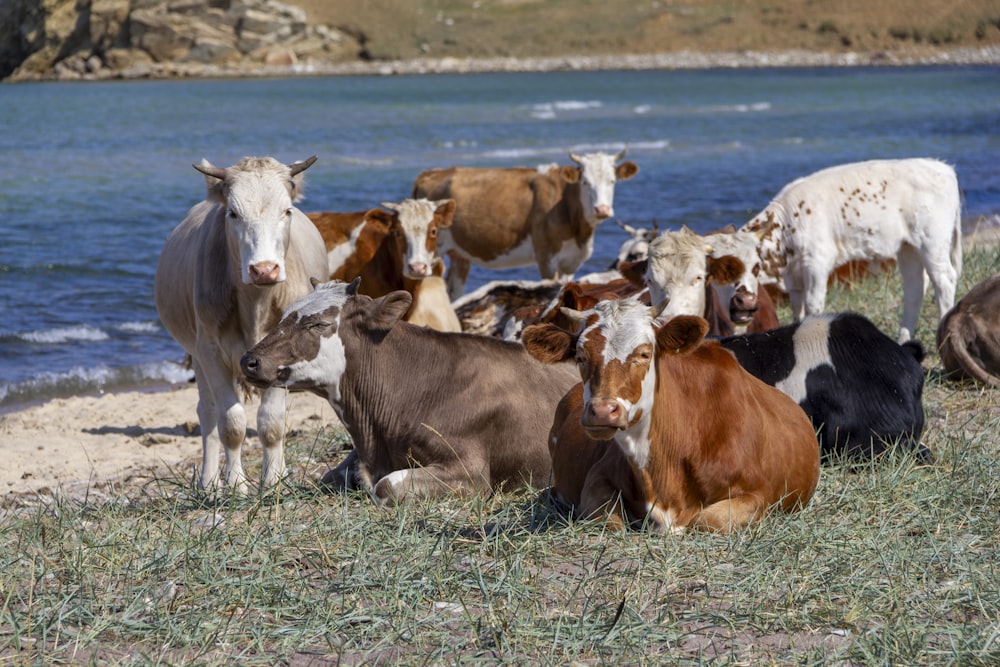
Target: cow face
{"x": 258, "y": 194}
{"x": 740, "y": 294}
{"x": 416, "y": 233}
{"x": 597, "y": 174}
{"x": 616, "y": 352}
{"x": 306, "y": 349}
{"x": 679, "y": 269}
{"x": 636, "y": 247}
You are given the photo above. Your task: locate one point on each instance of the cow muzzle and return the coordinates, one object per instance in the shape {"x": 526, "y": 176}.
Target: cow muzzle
{"x": 602, "y": 418}
{"x": 258, "y": 373}
{"x": 264, "y": 273}
{"x": 418, "y": 270}
{"x": 742, "y": 307}
{"x": 603, "y": 211}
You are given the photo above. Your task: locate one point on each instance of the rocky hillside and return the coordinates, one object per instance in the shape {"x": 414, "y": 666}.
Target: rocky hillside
{"x": 95, "y": 39}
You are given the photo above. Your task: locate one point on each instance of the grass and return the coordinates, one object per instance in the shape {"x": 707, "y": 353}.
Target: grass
{"x": 894, "y": 563}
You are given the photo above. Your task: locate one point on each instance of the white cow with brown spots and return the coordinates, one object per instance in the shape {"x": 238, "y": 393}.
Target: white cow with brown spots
{"x": 225, "y": 275}
{"x": 908, "y": 210}
{"x": 507, "y": 218}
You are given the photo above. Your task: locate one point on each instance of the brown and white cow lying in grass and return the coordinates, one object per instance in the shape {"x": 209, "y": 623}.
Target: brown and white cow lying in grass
{"x": 707, "y": 445}
{"x": 429, "y": 412}
{"x": 968, "y": 336}
{"x": 225, "y": 275}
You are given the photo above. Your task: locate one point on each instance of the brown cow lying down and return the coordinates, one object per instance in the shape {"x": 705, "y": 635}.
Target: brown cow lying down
{"x": 700, "y": 442}
{"x": 430, "y": 412}
{"x": 968, "y": 336}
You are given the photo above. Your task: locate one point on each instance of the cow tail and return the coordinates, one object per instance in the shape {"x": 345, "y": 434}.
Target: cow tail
{"x": 960, "y": 352}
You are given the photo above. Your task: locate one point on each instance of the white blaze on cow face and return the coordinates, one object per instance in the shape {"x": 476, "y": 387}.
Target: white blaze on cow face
{"x": 259, "y": 194}
{"x": 419, "y": 220}
{"x": 616, "y": 354}
{"x": 676, "y": 273}
{"x": 739, "y": 296}
{"x": 315, "y": 315}
{"x": 598, "y": 175}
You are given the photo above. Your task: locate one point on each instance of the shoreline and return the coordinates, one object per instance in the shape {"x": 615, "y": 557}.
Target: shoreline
{"x": 676, "y": 60}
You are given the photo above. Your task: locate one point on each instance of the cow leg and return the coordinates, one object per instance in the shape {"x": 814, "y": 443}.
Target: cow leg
{"x": 816, "y": 278}
{"x": 458, "y": 274}
{"x": 796, "y": 300}
{"x": 271, "y": 431}
{"x": 727, "y": 515}
{"x": 228, "y": 426}
{"x": 208, "y": 421}
{"x": 911, "y": 270}
{"x": 429, "y": 482}
{"x": 943, "y": 276}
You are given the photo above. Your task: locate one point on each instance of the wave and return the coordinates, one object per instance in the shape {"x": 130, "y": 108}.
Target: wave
{"x": 549, "y": 110}
{"x": 81, "y": 380}
{"x": 62, "y": 335}
{"x": 84, "y": 333}
{"x": 560, "y": 152}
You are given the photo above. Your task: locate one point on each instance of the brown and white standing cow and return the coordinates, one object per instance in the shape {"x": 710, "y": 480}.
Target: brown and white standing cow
{"x": 508, "y": 218}
{"x": 708, "y": 445}
{"x": 225, "y": 275}
{"x": 430, "y": 412}
{"x": 352, "y": 239}
{"x": 968, "y": 336}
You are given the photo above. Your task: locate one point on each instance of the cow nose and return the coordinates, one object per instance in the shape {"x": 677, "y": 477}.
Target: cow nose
{"x": 744, "y": 301}
{"x": 419, "y": 269}
{"x": 607, "y": 413}
{"x": 250, "y": 365}
{"x": 264, "y": 273}
{"x": 603, "y": 211}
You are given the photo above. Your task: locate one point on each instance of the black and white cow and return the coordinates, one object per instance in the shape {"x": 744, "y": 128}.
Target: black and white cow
{"x": 860, "y": 388}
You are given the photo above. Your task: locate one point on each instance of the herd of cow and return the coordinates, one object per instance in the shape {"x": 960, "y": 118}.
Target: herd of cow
{"x": 662, "y": 393}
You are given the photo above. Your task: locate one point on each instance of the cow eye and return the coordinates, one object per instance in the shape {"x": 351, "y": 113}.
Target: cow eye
{"x": 288, "y": 212}
{"x": 432, "y": 232}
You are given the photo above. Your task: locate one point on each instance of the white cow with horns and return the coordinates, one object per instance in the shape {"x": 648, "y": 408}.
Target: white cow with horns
{"x": 908, "y": 209}
{"x": 225, "y": 276}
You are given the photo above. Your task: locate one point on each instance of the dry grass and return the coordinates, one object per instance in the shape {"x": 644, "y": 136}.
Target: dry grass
{"x": 483, "y": 28}
{"x": 894, "y": 563}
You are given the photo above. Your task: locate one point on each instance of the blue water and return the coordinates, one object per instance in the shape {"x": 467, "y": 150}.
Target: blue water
{"x": 94, "y": 176}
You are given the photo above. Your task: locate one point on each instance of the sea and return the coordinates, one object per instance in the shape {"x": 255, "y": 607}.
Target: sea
{"x": 94, "y": 176}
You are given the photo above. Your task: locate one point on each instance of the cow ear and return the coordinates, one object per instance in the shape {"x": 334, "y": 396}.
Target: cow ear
{"x": 626, "y": 170}
{"x": 725, "y": 269}
{"x": 634, "y": 272}
{"x": 571, "y": 174}
{"x": 570, "y": 297}
{"x": 388, "y": 310}
{"x": 548, "y": 343}
{"x": 444, "y": 212}
{"x": 382, "y": 219}
{"x": 681, "y": 334}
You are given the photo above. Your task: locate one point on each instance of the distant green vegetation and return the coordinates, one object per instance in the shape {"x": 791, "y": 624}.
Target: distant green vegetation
{"x": 890, "y": 564}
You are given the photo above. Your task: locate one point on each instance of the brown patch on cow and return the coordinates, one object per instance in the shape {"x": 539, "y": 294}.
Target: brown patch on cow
{"x": 548, "y": 343}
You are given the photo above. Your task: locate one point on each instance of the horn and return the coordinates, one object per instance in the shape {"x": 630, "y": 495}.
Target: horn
{"x": 621, "y": 156}
{"x": 574, "y": 157}
{"x": 299, "y": 167}
{"x": 390, "y": 205}
{"x": 630, "y": 230}
{"x": 206, "y": 168}
{"x": 655, "y": 311}
{"x": 352, "y": 289}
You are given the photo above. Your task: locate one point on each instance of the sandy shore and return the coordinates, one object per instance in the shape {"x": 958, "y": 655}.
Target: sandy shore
{"x": 75, "y": 444}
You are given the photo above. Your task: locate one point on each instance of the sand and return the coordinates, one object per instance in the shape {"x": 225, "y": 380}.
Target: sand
{"x": 73, "y": 445}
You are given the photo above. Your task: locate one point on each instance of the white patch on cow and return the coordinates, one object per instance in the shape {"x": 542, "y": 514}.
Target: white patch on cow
{"x": 396, "y": 481}
{"x": 415, "y": 217}
{"x": 257, "y": 214}
{"x": 336, "y": 257}
{"x": 626, "y": 325}
{"x": 520, "y": 255}
{"x": 742, "y": 245}
{"x": 664, "y": 521}
{"x": 811, "y": 346}
{"x": 546, "y": 168}
{"x": 326, "y": 296}
{"x": 326, "y": 370}
{"x": 676, "y": 272}
{"x": 570, "y": 256}
{"x": 597, "y": 186}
